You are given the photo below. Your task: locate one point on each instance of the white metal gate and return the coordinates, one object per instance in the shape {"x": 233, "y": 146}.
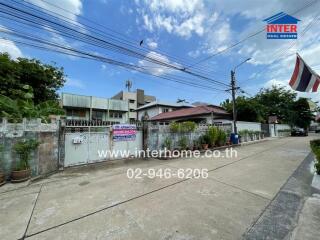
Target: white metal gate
{"x": 83, "y": 147}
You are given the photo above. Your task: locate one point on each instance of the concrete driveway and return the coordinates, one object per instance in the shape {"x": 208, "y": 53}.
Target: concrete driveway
{"x": 100, "y": 202}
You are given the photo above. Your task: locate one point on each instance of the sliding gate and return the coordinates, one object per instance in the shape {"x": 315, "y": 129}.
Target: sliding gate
{"x": 83, "y": 145}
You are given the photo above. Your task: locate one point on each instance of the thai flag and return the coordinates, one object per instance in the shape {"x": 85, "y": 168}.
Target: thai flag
{"x": 304, "y": 78}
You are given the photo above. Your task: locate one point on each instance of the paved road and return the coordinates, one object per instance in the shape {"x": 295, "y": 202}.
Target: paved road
{"x": 100, "y": 202}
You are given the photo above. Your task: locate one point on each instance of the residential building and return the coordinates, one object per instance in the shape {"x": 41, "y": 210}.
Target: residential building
{"x": 79, "y": 107}
{"x": 135, "y": 99}
{"x": 156, "y": 107}
{"x": 200, "y": 114}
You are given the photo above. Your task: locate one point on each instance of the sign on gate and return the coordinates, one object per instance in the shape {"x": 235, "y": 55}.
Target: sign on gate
{"x": 124, "y": 132}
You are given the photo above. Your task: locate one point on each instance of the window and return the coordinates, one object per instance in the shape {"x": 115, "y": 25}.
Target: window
{"x": 115, "y": 114}
{"x": 132, "y": 101}
{"x": 97, "y": 115}
{"x": 76, "y": 113}
{"x": 131, "y": 110}
{"x": 165, "y": 110}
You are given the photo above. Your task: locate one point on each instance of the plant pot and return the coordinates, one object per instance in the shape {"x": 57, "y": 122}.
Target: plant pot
{"x": 20, "y": 176}
{"x": 2, "y": 178}
{"x": 205, "y": 146}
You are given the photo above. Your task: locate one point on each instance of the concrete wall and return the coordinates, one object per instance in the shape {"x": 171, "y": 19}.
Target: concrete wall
{"x": 44, "y": 159}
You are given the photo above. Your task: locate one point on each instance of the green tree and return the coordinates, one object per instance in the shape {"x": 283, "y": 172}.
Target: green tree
{"x": 276, "y": 101}
{"x": 16, "y": 109}
{"x": 44, "y": 79}
{"x": 302, "y": 116}
{"x": 248, "y": 109}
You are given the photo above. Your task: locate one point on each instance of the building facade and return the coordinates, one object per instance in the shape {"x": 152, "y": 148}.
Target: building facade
{"x": 135, "y": 100}
{"x": 152, "y": 109}
{"x": 80, "y": 107}
{"x": 201, "y": 114}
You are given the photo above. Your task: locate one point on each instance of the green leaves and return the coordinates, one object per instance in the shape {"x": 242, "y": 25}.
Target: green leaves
{"x": 274, "y": 101}
{"x": 183, "y": 127}
{"x": 24, "y": 148}
{"x": 44, "y": 79}
{"x": 15, "y": 110}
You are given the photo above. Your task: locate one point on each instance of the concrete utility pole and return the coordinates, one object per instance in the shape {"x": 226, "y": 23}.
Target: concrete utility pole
{"x": 234, "y": 88}
{"x": 234, "y": 109}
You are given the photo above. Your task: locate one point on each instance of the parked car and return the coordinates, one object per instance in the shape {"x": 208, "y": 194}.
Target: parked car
{"x": 317, "y": 130}
{"x": 299, "y": 132}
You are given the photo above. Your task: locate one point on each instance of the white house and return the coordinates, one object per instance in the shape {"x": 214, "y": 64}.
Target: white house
{"x": 156, "y": 107}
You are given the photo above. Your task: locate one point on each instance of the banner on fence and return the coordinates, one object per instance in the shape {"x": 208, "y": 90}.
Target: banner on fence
{"x": 124, "y": 132}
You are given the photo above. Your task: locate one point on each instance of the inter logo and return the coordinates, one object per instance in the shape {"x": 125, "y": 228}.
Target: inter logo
{"x": 282, "y": 26}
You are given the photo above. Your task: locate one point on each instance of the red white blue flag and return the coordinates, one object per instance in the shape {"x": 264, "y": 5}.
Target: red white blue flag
{"x": 304, "y": 79}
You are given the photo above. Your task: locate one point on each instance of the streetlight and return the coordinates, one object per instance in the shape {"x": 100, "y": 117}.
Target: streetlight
{"x": 233, "y": 91}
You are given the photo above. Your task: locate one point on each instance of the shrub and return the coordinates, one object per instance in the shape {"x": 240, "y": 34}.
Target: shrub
{"x": 167, "y": 143}
{"x": 183, "y": 143}
{"x": 187, "y": 127}
{"x": 174, "y": 127}
{"x": 222, "y": 138}
{"x": 315, "y": 147}
{"x": 213, "y": 133}
{"x": 183, "y": 127}
{"x": 204, "y": 139}
{"x": 24, "y": 148}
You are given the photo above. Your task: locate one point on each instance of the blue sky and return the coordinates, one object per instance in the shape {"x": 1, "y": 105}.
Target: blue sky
{"x": 188, "y": 30}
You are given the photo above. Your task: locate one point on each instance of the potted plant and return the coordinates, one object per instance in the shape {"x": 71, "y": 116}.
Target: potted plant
{"x": 2, "y": 175}
{"x": 221, "y": 139}
{"x": 212, "y": 135}
{"x": 204, "y": 141}
{"x": 196, "y": 145}
{"x": 22, "y": 171}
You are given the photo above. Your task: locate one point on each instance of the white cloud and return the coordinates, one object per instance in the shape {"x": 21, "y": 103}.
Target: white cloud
{"x": 72, "y": 6}
{"x": 181, "y": 17}
{"x": 151, "y": 43}
{"x": 154, "y": 68}
{"x": 10, "y": 47}
{"x": 75, "y": 83}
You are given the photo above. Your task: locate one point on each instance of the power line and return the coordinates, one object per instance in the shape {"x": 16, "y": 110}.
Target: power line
{"x": 151, "y": 58}
{"x": 98, "y": 41}
{"x": 122, "y": 36}
{"x": 77, "y": 53}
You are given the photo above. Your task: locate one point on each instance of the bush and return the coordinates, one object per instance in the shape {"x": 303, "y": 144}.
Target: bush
{"x": 183, "y": 143}
{"x": 213, "y": 133}
{"x": 222, "y": 138}
{"x": 204, "y": 139}
{"x": 167, "y": 143}
{"x": 24, "y": 148}
{"x": 183, "y": 127}
{"x": 174, "y": 127}
{"x": 315, "y": 147}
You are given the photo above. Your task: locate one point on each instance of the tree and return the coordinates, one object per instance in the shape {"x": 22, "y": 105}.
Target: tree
{"x": 303, "y": 116}
{"x": 16, "y": 109}
{"x": 247, "y": 109}
{"x": 44, "y": 79}
{"x": 276, "y": 101}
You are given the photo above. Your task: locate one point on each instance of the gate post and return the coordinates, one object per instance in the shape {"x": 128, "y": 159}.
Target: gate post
{"x": 145, "y": 135}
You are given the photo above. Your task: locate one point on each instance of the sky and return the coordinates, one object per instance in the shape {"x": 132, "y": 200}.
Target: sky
{"x": 176, "y": 31}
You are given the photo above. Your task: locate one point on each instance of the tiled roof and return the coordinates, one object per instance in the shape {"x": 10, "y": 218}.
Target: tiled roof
{"x": 200, "y": 110}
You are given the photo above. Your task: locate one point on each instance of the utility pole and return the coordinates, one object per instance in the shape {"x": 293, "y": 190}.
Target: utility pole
{"x": 233, "y": 92}
{"x": 234, "y": 88}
